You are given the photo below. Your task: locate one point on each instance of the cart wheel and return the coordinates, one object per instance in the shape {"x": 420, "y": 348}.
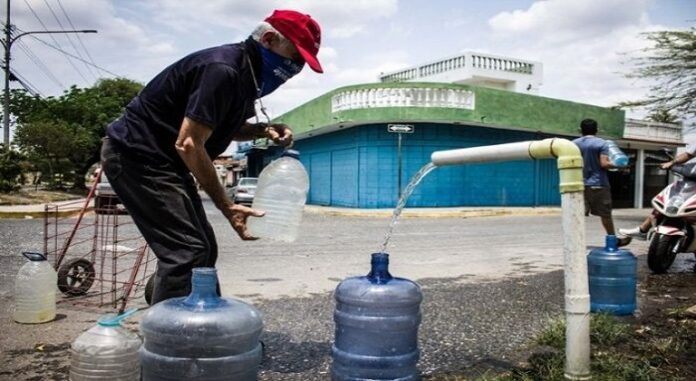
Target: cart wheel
{"x": 75, "y": 277}
{"x": 149, "y": 287}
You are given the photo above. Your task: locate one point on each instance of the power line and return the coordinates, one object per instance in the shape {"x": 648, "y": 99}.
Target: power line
{"x": 77, "y": 35}
{"x": 39, "y": 63}
{"x": 55, "y": 16}
{"x": 33, "y": 90}
{"x": 75, "y": 57}
{"x": 54, "y": 40}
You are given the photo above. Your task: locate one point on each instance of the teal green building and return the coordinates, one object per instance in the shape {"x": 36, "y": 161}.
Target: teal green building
{"x": 353, "y": 160}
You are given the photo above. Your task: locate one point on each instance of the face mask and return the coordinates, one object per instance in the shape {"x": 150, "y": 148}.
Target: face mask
{"x": 275, "y": 70}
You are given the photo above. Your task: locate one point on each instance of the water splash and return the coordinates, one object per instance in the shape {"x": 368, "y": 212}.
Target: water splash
{"x": 415, "y": 180}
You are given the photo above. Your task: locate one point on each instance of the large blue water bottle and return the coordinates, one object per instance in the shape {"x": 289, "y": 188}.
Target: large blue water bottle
{"x": 612, "y": 273}
{"x": 377, "y": 318}
{"x": 616, "y": 155}
{"x": 201, "y": 336}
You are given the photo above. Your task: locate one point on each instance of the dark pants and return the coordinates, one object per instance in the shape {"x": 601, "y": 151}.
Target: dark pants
{"x": 166, "y": 208}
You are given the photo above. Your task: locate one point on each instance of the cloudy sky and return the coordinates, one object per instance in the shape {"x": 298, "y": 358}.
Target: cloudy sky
{"x": 583, "y": 44}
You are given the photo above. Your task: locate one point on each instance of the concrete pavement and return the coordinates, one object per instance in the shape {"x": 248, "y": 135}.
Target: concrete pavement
{"x": 71, "y": 207}
{"x": 489, "y": 285}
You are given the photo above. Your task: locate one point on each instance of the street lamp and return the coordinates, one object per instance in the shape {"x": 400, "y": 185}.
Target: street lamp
{"x": 7, "y": 44}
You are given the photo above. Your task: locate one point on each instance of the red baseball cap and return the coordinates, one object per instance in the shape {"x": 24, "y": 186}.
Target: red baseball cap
{"x": 302, "y": 31}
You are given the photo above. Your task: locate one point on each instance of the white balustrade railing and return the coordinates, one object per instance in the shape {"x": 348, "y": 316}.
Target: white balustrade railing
{"x": 477, "y": 61}
{"x": 402, "y": 97}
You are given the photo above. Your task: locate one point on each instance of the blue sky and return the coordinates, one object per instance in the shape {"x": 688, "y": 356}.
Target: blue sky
{"x": 584, "y": 45}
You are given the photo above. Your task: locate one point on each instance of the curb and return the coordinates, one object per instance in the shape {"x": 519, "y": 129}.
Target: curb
{"x": 432, "y": 213}
{"x": 41, "y": 214}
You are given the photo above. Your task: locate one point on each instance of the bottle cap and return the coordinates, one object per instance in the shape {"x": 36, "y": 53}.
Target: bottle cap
{"x": 612, "y": 243}
{"x": 34, "y": 257}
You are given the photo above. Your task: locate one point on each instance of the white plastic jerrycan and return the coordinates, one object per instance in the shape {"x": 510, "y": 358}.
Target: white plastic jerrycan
{"x": 281, "y": 193}
{"x": 35, "y": 290}
{"x": 107, "y": 351}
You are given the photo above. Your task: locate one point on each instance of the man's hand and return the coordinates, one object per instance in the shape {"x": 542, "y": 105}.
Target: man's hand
{"x": 667, "y": 165}
{"x": 280, "y": 133}
{"x": 237, "y": 215}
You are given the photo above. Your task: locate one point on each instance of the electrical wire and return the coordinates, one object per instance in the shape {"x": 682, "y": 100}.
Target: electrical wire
{"x": 75, "y": 57}
{"x": 67, "y": 35}
{"x": 39, "y": 63}
{"x": 78, "y": 35}
{"x": 33, "y": 90}
{"x": 55, "y": 41}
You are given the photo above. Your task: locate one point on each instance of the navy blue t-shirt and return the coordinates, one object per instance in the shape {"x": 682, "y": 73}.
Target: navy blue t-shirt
{"x": 211, "y": 86}
{"x": 591, "y": 147}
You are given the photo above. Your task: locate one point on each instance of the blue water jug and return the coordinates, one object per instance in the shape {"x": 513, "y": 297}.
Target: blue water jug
{"x": 377, "y": 318}
{"x": 612, "y": 273}
{"x": 201, "y": 336}
{"x": 616, "y": 155}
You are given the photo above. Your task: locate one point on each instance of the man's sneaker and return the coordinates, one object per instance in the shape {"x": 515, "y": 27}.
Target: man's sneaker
{"x": 635, "y": 233}
{"x": 624, "y": 240}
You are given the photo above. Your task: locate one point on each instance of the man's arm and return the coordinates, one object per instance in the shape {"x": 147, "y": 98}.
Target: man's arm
{"x": 280, "y": 133}
{"x": 604, "y": 162}
{"x": 681, "y": 158}
{"x": 190, "y": 145}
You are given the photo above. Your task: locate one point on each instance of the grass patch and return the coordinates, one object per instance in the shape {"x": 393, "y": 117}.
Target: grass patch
{"x": 612, "y": 354}
{"x": 27, "y": 197}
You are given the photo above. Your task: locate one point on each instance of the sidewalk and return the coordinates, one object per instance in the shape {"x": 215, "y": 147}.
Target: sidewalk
{"x": 64, "y": 208}
{"x": 67, "y": 208}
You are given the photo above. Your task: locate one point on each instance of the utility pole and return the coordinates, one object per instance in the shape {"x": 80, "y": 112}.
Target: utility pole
{"x": 6, "y": 99}
{"x": 7, "y": 44}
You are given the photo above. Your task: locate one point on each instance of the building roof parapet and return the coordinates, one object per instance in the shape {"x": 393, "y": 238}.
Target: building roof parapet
{"x": 431, "y": 102}
{"x": 471, "y": 60}
{"x": 653, "y": 131}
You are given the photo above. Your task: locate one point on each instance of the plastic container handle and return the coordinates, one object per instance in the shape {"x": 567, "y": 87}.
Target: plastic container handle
{"x": 33, "y": 256}
{"x": 113, "y": 321}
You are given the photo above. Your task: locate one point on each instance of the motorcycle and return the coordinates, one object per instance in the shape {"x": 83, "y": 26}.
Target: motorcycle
{"x": 674, "y": 220}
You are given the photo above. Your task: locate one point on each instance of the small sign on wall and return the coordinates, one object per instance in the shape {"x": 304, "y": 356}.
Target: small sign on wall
{"x": 401, "y": 128}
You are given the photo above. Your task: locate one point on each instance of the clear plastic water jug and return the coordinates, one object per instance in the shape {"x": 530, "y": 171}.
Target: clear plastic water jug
{"x": 201, "y": 336}
{"x": 377, "y": 318}
{"x": 616, "y": 155}
{"x": 281, "y": 193}
{"x": 107, "y": 352}
{"x": 35, "y": 290}
{"x": 612, "y": 277}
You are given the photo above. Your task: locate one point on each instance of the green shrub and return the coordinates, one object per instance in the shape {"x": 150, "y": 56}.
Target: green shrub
{"x": 10, "y": 169}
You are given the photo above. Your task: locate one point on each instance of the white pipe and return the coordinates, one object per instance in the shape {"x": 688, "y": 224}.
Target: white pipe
{"x": 577, "y": 296}
{"x": 577, "y": 293}
{"x": 500, "y": 152}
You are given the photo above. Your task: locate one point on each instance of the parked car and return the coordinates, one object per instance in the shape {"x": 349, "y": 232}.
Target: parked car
{"x": 105, "y": 199}
{"x": 243, "y": 192}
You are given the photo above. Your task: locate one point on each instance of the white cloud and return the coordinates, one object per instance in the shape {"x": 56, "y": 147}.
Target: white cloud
{"x": 585, "y": 46}
{"x": 560, "y": 20}
{"x": 345, "y": 18}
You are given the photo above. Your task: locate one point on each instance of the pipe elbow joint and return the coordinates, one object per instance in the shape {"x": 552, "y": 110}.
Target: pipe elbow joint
{"x": 569, "y": 161}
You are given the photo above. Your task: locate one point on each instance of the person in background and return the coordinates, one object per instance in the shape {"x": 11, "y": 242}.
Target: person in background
{"x": 641, "y": 231}
{"x": 597, "y": 189}
{"x": 182, "y": 119}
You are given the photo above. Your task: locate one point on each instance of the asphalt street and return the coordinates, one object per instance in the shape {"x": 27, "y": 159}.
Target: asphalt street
{"x": 489, "y": 285}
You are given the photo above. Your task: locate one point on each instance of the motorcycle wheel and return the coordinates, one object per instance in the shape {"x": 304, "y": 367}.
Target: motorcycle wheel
{"x": 661, "y": 252}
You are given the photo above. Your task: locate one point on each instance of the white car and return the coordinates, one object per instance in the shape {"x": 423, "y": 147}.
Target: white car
{"x": 105, "y": 199}
{"x": 243, "y": 192}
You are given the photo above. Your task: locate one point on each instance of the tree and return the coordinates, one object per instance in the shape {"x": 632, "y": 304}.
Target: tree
{"x": 10, "y": 169}
{"x": 663, "y": 116}
{"x": 671, "y": 64}
{"x": 68, "y": 129}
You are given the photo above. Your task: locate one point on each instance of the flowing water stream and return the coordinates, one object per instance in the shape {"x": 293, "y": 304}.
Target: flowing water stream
{"x": 415, "y": 180}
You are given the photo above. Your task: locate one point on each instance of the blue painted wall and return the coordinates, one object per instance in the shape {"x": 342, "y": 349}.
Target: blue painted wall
{"x": 357, "y": 167}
